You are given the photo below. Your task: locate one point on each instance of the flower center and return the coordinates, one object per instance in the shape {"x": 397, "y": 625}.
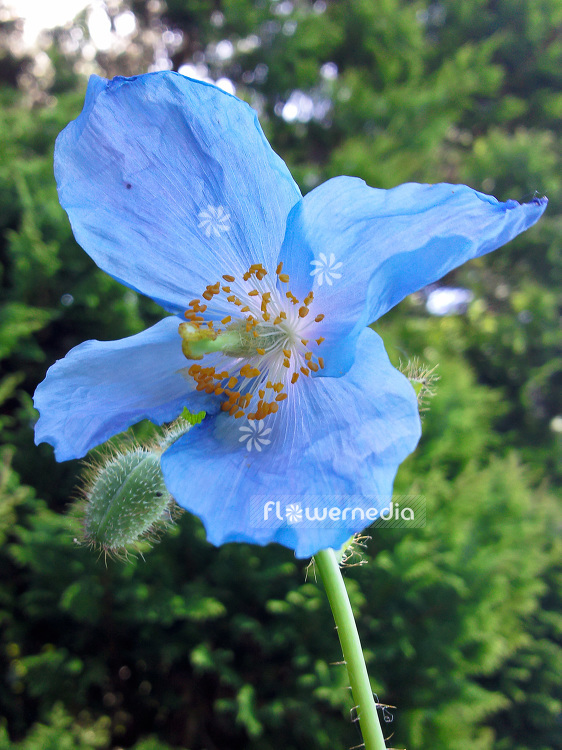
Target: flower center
{"x": 264, "y": 347}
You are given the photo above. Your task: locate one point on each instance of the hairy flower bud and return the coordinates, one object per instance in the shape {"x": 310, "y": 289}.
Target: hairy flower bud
{"x": 125, "y": 499}
{"x": 423, "y": 380}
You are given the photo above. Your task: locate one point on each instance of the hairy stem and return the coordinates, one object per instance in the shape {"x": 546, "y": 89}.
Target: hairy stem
{"x": 329, "y": 569}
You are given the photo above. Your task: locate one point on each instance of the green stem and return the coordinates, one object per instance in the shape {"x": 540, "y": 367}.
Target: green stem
{"x": 329, "y": 570}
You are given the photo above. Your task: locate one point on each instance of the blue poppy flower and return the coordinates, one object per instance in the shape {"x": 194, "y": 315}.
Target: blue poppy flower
{"x": 172, "y": 189}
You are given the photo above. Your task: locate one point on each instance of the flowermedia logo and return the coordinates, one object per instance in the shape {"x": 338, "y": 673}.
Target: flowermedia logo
{"x": 326, "y": 269}
{"x": 214, "y": 221}
{"x": 255, "y": 433}
{"x": 404, "y": 511}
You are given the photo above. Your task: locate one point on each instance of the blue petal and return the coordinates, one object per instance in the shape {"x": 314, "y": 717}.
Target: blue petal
{"x": 362, "y": 250}
{"x": 338, "y": 440}
{"x": 102, "y": 387}
{"x": 169, "y": 183}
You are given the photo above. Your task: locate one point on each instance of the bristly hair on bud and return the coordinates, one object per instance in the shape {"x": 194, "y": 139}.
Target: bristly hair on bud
{"x": 423, "y": 380}
{"x": 124, "y": 500}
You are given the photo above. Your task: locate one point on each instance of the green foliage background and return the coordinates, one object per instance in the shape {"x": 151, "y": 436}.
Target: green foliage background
{"x": 197, "y": 647}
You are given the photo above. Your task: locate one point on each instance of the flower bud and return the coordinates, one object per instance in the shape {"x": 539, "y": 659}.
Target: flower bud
{"x": 423, "y": 380}
{"x": 125, "y": 500}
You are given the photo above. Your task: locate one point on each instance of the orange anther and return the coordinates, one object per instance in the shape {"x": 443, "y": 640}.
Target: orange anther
{"x": 303, "y": 312}
{"x": 208, "y": 295}
{"x": 278, "y": 387}
{"x": 232, "y": 382}
{"x": 287, "y": 353}
{"x": 321, "y": 362}
{"x": 228, "y": 278}
{"x": 320, "y": 340}
{"x": 273, "y": 407}
{"x": 261, "y": 351}
{"x": 286, "y": 363}
{"x": 266, "y": 316}
{"x": 294, "y": 378}
{"x": 239, "y": 414}
{"x": 277, "y": 320}
{"x": 281, "y": 397}
{"x": 283, "y": 315}
{"x": 308, "y": 355}
{"x": 245, "y": 309}
{"x": 279, "y": 268}
{"x": 218, "y": 390}
{"x": 253, "y": 293}
{"x": 318, "y": 318}
{"x": 304, "y": 371}
{"x": 308, "y": 299}
{"x": 226, "y": 289}
{"x": 313, "y": 366}
{"x": 305, "y": 341}
{"x": 261, "y": 394}
{"x": 226, "y": 320}
{"x": 284, "y": 277}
